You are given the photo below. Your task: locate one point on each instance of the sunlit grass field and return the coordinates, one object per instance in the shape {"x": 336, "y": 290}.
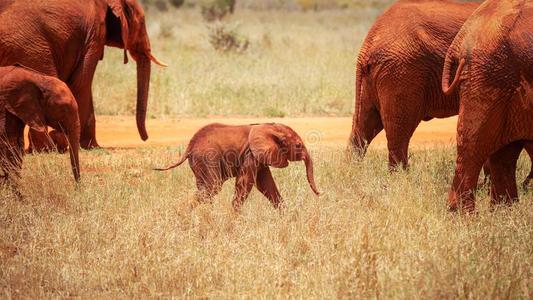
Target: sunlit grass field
{"x": 127, "y": 231}
{"x": 296, "y": 64}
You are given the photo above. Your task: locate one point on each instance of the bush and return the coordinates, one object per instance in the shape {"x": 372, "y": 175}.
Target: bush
{"x": 161, "y": 5}
{"x": 176, "y": 3}
{"x": 342, "y": 4}
{"x": 213, "y": 10}
{"x": 227, "y": 39}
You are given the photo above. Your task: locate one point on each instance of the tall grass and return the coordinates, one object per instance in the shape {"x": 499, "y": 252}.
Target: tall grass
{"x": 128, "y": 231}
{"x": 296, "y": 64}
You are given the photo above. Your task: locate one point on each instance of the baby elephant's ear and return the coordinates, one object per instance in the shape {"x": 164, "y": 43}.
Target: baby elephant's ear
{"x": 266, "y": 146}
{"x": 26, "y": 106}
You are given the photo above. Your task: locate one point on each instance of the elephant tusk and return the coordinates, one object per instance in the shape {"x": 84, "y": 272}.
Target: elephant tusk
{"x": 157, "y": 61}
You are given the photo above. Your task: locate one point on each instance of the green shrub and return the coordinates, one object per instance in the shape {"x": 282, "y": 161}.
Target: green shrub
{"x": 227, "y": 39}
{"x": 213, "y": 10}
{"x": 176, "y": 3}
{"x": 274, "y": 112}
{"x": 161, "y": 5}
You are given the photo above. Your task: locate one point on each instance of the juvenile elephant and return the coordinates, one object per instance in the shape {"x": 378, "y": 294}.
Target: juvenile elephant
{"x": 66, "y": 39}
{"x": 36, "y": 100}
{"x": 218, "y": 152}
{"x": 398, "y": 76}
{"x": 492, "y": 58}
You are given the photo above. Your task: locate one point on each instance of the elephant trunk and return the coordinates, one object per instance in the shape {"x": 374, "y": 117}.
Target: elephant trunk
{"x": 310, "y": 174}
{"x": 143, "y": 86}
{"x": 74, "y": 149}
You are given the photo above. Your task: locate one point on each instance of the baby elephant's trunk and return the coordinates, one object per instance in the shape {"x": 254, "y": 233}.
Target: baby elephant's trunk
{"x": 310, "y": 174}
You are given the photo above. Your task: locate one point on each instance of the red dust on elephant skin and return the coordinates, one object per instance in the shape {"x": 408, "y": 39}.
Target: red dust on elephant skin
{"x": 489, "y": 63}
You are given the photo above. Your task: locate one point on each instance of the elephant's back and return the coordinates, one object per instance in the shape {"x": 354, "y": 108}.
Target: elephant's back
{"x": 5, "y": 4}
{"x": 41, "y": 34}
{"x": 521, "y": 41}
{"x": 414, "y": 29}
{"x": 216, "y": 135}
{"x": 499, "y": 32}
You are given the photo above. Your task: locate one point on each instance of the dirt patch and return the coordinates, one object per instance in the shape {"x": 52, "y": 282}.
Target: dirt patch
{"x": 121, "y": 132}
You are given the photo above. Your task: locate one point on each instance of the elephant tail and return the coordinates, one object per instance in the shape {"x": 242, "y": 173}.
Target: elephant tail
{"x": 446, "y": 87}
{"x": 358, "y": 99}
{"x": 183, "y": 158}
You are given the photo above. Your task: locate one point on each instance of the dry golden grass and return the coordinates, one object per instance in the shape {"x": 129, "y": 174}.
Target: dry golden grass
{"x": 129, "y": 231}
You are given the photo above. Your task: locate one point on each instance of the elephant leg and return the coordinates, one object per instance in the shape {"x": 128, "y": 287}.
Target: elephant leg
{"x": 81, "y": 84}
{"x": 88, "y": 125}
{"x": 267, "y": 186}
{"x": 47, "y": 142}
{"x": 207, "y": 190}
{"x": 40, "y": 142}
{"x": 60, "y": 140}
{"x": 11, "y": 165}
{"x": 243, "y": 186}
{"x": 11, "y": 152}
{"x": 401, "y": 114}
{"x": 461, "y": 195}
{"x": 365, "y": 126}
{"x": 399, "y": 129}
{"x": 503, "y": 171}
{"x": 244, "y": 181}
{"x": 473, "y": 151}
{"x": 208, "y": 179}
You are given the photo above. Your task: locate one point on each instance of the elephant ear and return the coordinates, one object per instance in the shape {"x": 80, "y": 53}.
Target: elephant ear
{"x": 266, "y": 144}
{"x": 25, "y": 105}
{"x": 119, "y": 9}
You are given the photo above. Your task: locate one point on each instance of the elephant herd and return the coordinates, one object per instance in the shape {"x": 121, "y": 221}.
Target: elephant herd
{"x": 49, "y": 51}
{"x": 420, "y": 60}
{"x": 435, "y": 59}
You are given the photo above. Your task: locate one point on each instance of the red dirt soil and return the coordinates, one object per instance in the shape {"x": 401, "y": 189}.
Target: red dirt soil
{"x": 121, "y": 132}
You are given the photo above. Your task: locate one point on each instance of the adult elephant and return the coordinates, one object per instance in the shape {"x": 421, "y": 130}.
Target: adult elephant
{"x": 66, "y": 39}
{"x": 492, "y": 59}
{"x": 398, "y": 80}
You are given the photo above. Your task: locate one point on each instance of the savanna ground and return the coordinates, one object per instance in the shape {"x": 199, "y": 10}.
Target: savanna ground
{"x": 126, "y": 230}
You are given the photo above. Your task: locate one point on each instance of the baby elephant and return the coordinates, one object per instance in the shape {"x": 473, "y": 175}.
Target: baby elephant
{"x": 30, "y": 98}
{"x": 218, "y": 152}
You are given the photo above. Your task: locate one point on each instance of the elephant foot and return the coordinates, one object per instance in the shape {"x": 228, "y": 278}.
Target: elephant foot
{"x": 397, "y": 167}
{"x": 41, "y": 148}
{"x": 89, "y": 144}
{"x": 40, "y": 142}
{"x": 55, "y": 141}
{"x": 466, "y": 204}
